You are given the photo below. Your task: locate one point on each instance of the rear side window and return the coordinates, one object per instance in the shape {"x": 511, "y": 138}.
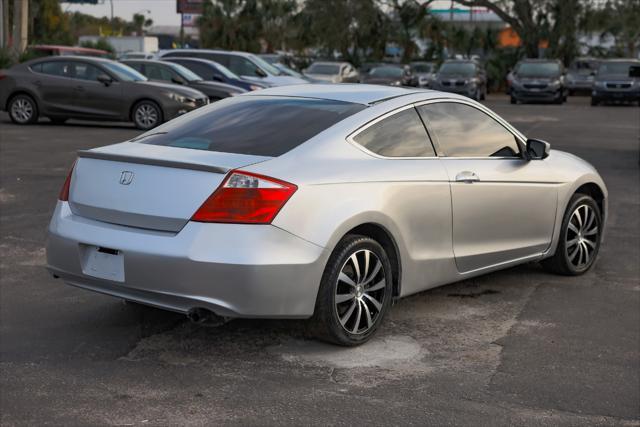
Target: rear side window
{"x": 400, "y": 135}
{"x": 463, "y": 131}
{"x": 255, "y": 125}
{"x": 54, "y": 68}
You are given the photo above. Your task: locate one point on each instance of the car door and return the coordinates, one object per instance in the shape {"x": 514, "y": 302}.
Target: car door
{"x": 503, "y": 205}
{"x": 415, "y": 195}
{"x": 54, "y": 85}
{"x": 92, "y": 98}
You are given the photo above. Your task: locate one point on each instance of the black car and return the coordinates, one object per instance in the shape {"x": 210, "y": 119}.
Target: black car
{"x": 80, "y": 87}
{"x": 538, "y": 80}
{"x": 462, "y": 76}
{"x": 617, "y": 80}
{"x": 389, "y": 74}
{"x": 174, "y": 73}
{"x": 212, "y": 71}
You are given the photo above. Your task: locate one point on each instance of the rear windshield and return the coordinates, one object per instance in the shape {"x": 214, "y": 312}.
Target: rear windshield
{"x": 255, "y": 125}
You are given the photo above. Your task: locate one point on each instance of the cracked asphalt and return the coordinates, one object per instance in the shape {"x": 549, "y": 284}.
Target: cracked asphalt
{"x": 516, "y": 347}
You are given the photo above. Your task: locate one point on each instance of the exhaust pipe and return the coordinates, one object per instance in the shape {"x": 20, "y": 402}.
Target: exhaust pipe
{"x": 205, "y": 317}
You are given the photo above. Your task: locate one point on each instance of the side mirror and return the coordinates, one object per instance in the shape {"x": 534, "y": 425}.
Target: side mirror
{"x": 177, "y": 80}
{"x": 104, "y": 79}
{"x": 537, "y": 149}
{"x": 216, "y": 78}
{"x": 260, "y": 73}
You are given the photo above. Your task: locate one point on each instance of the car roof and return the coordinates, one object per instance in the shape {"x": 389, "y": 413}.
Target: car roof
{"x": 355, "y": 93}
{"x": 219, "y": 51}
{"x": 69, "y": 58}
{"x": 66, "y": 48}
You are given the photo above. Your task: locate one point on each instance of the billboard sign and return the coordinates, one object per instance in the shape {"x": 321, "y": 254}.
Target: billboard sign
{"x": 192, "y": 7}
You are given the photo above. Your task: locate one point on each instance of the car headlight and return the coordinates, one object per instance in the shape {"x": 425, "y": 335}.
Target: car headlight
{"x": 599, "y": 84}
{"x": 555, "y": 84}
{"x": 396, "y": 83}
{"x": 180, "y": 98}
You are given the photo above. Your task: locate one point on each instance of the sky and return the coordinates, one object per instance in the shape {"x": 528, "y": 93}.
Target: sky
{"x": 163, "y": 12}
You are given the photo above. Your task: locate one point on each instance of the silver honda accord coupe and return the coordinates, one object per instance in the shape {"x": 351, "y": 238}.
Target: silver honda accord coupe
{"x": 326, "y": 202}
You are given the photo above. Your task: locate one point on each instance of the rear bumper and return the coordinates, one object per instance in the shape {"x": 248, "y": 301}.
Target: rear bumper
{"x": 233, "y": 270}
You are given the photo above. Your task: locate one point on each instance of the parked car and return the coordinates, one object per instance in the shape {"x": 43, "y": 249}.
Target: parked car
{"x": 617, "y": 80}
{"x": 212, "y": 71}
{"x": 388, "y": 74}
{"x": 246, "y": 65}
{"x": 40, "y": 50}
{"x": 91, "y": 88}
{"x": 161, "y": 71}
{"x": 580, "y": 75}
{"x": 320, "y": 201}
{"x": 462, "y": 76}
{"x": 333, "y": 72}
{"x": 425, "y": 72}
{"x": 538, "y": 80}
{"x": 136, "y": 55}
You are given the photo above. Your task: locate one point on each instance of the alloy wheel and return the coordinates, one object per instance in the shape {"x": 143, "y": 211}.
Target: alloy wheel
{"x": 360, "y": 292}
{"x": 582, "y": 237}
{"x": 146, "y": 116}
{"x": 22, "y": 110}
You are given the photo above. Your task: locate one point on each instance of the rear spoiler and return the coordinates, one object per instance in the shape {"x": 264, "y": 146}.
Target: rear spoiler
{"x": 89, "y": 154}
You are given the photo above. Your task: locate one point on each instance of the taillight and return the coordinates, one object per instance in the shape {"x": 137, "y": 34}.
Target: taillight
{"x": 246, "y": 198}
{"x": 64, "y": 191}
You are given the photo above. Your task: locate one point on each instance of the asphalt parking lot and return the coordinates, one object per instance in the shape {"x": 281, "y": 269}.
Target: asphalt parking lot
{"x": 515, "y": 347}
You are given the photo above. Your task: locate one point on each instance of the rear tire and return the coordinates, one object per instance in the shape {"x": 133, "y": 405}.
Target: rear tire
{"x": 146, "y": 115}
{"x": 23, "y": 109}
{"x": 355, "y": 292}
{"x": 579, "y": 238}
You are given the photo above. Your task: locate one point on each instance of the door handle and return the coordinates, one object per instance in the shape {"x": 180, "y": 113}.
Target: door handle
{"x": 467, "y": 176}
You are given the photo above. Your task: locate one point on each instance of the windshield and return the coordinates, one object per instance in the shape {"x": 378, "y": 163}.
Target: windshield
{"x": 386, "y": 72}
{"x": 422, "y": 68}
{"x": 538, "y": 69}
{"x": 458, "y": 68}
{"x": 621, "y": 68}
{"x": 255, "y": 125}
{"x": 265, "y": 65}
{"x": 324, "y": 69}
{"x": 583, "y": 67}
{"x": 123, "y": 72}
{"x": 185, "y": 73}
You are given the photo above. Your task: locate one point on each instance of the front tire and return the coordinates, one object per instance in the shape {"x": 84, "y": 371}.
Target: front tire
{"x": 23, "y": 110}
{"x": 579, "y": 238}
{"x": 513, "y": 100}
{"x": 355, "y": 292}
{"x": 146, "y": 115}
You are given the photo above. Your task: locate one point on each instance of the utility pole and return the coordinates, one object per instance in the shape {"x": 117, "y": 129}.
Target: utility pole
{"x": 20, "y": 25}
{"x": 4, "y": 23}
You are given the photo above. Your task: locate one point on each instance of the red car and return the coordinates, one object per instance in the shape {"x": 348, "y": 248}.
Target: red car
{"x": 57, "y": 50}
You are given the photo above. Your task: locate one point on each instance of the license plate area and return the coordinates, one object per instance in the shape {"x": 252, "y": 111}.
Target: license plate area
{"x": 102, "y": 262}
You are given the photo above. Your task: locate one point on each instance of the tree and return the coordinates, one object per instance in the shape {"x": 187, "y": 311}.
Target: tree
{"x": 619, "y": 19}
{"x": 140, "y": 22}
{"x": 528, "y": 18}
{"x": 49, "y": 23}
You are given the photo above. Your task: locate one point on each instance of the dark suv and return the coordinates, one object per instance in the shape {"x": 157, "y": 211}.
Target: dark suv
{"x": 538, "y": 80}
{"x": 462, "y": 76}
{"x": 617, "y": 80}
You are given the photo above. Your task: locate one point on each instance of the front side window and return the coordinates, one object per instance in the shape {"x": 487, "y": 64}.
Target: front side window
{"x": 156, "y": 72}
{"x": 255, "y": 125}
{"x": 84, "y": 71}
{"x": 464, "y": 131}
{"x": 242, "y": 66}
{"x": 399, "y": 135}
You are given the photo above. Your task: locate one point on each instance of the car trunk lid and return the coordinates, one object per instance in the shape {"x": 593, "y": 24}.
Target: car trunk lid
{"x": 148, "y": 186}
